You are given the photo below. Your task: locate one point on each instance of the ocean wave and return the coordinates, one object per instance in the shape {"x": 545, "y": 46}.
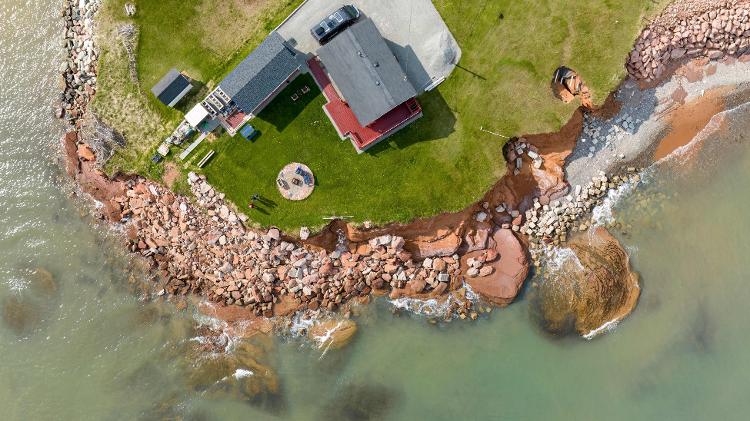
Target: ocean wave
{"x": 302, "y": 322}
{"x": 433, "y": 307}
{"x": 684, "y": 152}
{"x": 605, "y": 328}
{"x": 224, "y": 339}
{"x": 604, "y": 214}
{"x": 556, "y": 257}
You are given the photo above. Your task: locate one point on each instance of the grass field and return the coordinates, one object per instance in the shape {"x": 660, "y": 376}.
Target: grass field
{"x": 441, "y": 163}
{"x": 346, "y": 183}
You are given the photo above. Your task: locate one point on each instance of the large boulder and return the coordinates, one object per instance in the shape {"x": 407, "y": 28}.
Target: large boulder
{"x": 503, "y": 277}
{"x": 332, "y": 334}
{"x": 587, "y": 290}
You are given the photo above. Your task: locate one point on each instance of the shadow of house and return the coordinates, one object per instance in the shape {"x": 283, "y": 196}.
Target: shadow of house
{"x": 197, "y": 93}
{"x": 438, "y": 122}
{"x": 282, "y": 111}
{"x": 411, "y": 65}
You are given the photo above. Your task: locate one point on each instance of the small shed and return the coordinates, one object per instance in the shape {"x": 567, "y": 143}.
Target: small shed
{"x": 248, "y": 132}
{"x": 172, "y": 88}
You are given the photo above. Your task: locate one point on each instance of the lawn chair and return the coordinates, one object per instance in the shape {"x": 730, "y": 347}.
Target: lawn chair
{"x": 305, "y": 175}
{"x": 295, "y": 97}
{"x": 305, "y": 89}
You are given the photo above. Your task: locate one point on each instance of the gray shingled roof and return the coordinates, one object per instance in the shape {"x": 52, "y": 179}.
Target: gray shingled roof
{"x": 260, "y": 73}
{"x": 365, "y": 71}
{"x": 170, "y": 86}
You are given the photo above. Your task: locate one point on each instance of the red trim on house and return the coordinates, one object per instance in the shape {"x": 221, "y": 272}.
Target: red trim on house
{"x": 235, "y": 119}
{"x": 346, "y": 122}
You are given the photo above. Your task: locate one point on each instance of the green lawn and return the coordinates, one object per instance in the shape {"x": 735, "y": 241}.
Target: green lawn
{"x": 441, "y": 163}
{"x": 203, "y": 38}
{"x": 347, "y": 183}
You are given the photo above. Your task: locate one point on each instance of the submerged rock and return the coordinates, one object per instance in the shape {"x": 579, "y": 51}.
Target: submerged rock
{"x": 20, "y": 315}
{"x": 243, "y": 372}
{"x": 588, "y": 290}
{"x": 360, "y": 401}
{"x": 43, "y": 282}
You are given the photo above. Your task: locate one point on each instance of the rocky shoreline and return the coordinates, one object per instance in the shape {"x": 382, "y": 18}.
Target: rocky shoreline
{"x": 78, "y": 72}
{"x": 200, "y": 246}
{"x": 691, "y": 29}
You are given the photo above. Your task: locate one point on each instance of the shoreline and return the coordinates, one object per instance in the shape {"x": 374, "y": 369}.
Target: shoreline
{"x": 485, "y": 245}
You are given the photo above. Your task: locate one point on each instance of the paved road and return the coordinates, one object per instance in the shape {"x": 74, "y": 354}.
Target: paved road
{"x": 416, "y": 33}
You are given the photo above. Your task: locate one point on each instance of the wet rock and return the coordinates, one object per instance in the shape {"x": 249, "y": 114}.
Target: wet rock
{"x": 595, "y": 287}
{"x": 244, "y": 373}
{"x": 333, "y": 334}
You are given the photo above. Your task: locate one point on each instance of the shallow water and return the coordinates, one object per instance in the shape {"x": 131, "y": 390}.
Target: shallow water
{"x": 96, "y": 350}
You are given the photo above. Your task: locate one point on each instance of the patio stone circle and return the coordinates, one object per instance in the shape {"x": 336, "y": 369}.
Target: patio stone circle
{"x": 292, "y": 183}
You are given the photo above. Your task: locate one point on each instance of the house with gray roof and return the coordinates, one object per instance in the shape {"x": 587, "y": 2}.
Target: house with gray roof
{"x": 365, "y": 72}
{"x": 369, "y": 96}
{"x": 262, "y": 75}
{"x": 172, "y": 88}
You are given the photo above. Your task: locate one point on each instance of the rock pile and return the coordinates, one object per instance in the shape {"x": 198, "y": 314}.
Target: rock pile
{"x": 205, "y": 249}
{"x": 78, "y": 71}
{"x": 714, "y": 30}
{"x": 516, "y": 152}
{"x": 477, "y": 265}
{"x": 598, "y": 134}
{"x": 552, "y": 223}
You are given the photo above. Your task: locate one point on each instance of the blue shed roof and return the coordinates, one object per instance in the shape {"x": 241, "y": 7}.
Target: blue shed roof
{"x": 171, "y": 88}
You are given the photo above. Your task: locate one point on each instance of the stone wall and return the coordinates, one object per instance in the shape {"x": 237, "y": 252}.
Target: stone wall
{"x": 691, "y": 29}
{"x": 78, "y": 71}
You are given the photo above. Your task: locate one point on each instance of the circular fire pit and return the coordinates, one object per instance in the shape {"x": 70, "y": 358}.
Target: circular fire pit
{"x": 295, "y": 181}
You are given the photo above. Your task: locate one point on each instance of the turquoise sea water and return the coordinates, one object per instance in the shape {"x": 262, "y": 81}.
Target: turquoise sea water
{"x": 92, "y": 349}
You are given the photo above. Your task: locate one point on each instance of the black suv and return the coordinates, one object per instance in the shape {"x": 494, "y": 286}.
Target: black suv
{"x": 335, "y": 23}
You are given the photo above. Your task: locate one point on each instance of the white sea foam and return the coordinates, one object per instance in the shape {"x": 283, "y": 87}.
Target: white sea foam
{"x": 302, "y": 322}
{"x": 605, "y": 328}
{"x": 605, "y": 213}
{"x": 227, "y": 339}
{"x": 432, "y": 307}
{"x": 556, "y": 257}
{"x": 242, "y": 373}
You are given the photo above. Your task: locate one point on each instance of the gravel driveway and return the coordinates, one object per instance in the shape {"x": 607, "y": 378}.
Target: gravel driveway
{"x": 416, "y": 33}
